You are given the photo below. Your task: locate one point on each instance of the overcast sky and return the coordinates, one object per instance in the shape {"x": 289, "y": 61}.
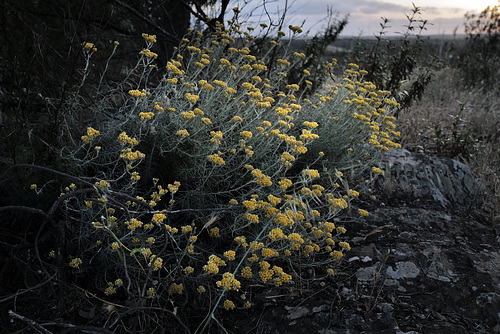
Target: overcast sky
{"x": 444, "y": 16}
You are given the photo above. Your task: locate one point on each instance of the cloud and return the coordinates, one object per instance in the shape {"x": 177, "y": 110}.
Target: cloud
{"x": 364, "y": 7}
{"x": 364, "y": 15}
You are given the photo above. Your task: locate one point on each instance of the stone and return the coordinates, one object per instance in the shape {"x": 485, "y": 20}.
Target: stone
{"x": 435, "y": 181}
{"x": 403, "y": 270}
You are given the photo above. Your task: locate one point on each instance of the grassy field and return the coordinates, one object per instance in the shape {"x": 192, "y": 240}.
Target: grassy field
{"x": 460, "y": 123}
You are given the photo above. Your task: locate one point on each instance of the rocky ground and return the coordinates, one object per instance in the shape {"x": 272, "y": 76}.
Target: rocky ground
{"x": 426, "y": 260}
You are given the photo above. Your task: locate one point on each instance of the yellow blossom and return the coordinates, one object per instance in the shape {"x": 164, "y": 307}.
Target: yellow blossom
{"x": 229, "y": 282}
{"x": 192, "y": 98}
{"x": 91, "y": 135}
{"x": 76, "y": 262}
{"x": 216, "y": 159}
{"x": 148, "y": 53}
{"x": 312, "y": 173}
{"x": 246, "y": 134}
{"x": 353, "y": 193}
{"x": 175, "y": 289}
{"x": 229, "y": 305}
{"x": 188, "y": 270}
{"x": 252, "y": 218}
{"x": 151, "y": 293}
{"x": 135, "y": 176}
{"x": 158, "y": 218}
{"x": 214, "y": 232}
{"x": 110, "y": 289}
{"x": 285, "y": 184}
{"x": 173, "y": 188}
{"x": 186, "y": 229}
{"x": 363, "y": 213}
{"x": 246, "y": 272}
{"x": 88, "y": 47}
{"x": 149, "y": 38}
{"x": 137, "y": 94}
{"x": 157, "y": 264}
{"x": 182, "y": 133}
{"x": 123, "y": 139}
{"x": 276, "y": 234}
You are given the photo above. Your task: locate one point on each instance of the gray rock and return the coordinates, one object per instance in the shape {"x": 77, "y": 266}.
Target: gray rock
{"x": 296, "y": 312}
{"x": 488, "y": 299}
{"x": 435, "y": 181}
{"x": 403, "y": 270}
{"x": 366, "y": 274}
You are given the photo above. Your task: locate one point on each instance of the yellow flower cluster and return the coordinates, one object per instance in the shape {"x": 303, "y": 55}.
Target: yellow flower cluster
{"x": 76, "y": 262}
{"x": 173, "y": 67}
{"x": 252, "y": 218}
{"x": 230, "y": 255}
{"x": 295, "y": 240}
{"x": 192, "y": 98}
{"x": 216, "y": 137}
{"x": 135, "y": 177}
{"x": 124, "y": 139}
{"x": 157, "y": 264}
{"x": 241, "y": 240}
{"x": 151, "y": 293}
{"x": 173, "y": 188}
{"x": 129, "y": 155}
{"x": 312, "y": 173}
{"x": 102, "y": 184}
{"x": 89, "y": 47}
{"x": 229, "y": 282}
{"x": 213, "y": 264}
{"x": 229, "y": 305}
{"x": 110, "y": 289}
{"x": 269, "y": 252}
{"x": 149, "y": 38}
{"x": 276, "y": 274}
{"x": 146, "y": 115}
{"x": 276, "y": 234}
{"x": 353, "y": 193}
{"x": 337, "y": 203}
{"x": 148, "y": 54}
{"x": 133, "y": 224}
{"x": 261, "y": 178}
{"x": 215, "y": 232}
{"x": 91, "y": 135}
{"x": 363, "y": 213}
{"x": 216, "y": 159}
{"x": 246, "y": 272}
{"x": 246, "y": 134}
{"x": 188, "y": 114}
{"x": 158, "y": 218}
{"x": 186, "y": 229}
{"x": 182, "y": 133}
{"x": 287, "y": 159}
{"x": 176, "y": 289}
{"x": 137, "y": 93}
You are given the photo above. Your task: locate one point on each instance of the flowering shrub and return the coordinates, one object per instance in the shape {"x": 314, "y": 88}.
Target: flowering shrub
{"x": 219, "y": 175}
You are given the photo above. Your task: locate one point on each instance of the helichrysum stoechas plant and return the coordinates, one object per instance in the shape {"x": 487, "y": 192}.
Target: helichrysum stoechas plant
{"x": 221, "y": 174}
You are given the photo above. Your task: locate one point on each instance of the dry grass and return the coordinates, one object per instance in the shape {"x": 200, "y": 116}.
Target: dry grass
{"x": 460, "y": 123}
